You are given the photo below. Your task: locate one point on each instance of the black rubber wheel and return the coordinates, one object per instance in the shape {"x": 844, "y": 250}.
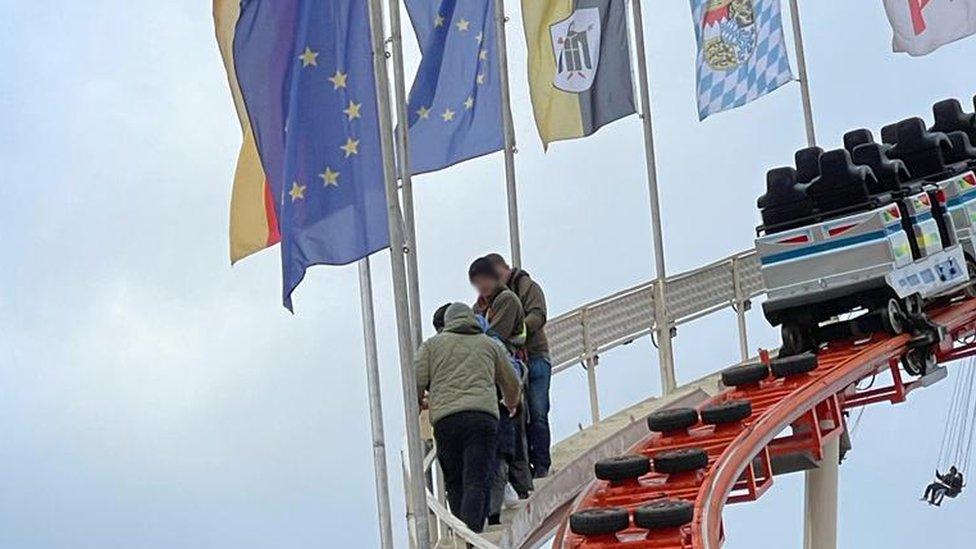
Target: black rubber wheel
{"x": 664, "y": 514}
{"x": 620, "y": 468}
{"x": 793, "y": 365}
{"x": 893, "y": 317}
{"x": 599, "y": 522}
{"x": 796, "y": 338}
{"x": 669, "y": 421}
{"x": 919, "y": 362}
{"x": 732, "y": 411}
{"x": 747, "y": 374}
{"x": 680, "y": 461}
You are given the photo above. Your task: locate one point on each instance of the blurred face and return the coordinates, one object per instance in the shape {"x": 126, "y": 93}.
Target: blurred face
{"x": 502, "y": 271}
{"x": 484, "y": 285}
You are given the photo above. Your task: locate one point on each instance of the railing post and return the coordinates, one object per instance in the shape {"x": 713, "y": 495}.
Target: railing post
{"x": 741, "y": 304}
{"x": 590, "y": 360}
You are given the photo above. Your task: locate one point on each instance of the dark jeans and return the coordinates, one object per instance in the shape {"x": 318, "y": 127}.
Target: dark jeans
{"x": 537, "y": 431}
{"x": 465, "y": 445}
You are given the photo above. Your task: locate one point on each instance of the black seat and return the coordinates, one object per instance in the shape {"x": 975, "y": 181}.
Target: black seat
{"x": 962, "y": 148}
{"x": 857, "y": 137}
{"x": 949, "y": 117}
{"x": 890, "y": 174}
{"x": 841, "y": 186}
{"x": 889, "y": 134}
{"x": 921, "y": 150}
{"x": 785, "y": 205}
{"x": 807, "y": 164}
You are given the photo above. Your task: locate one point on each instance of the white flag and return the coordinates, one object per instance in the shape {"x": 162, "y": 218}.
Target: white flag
{"x": 923, "y": 26}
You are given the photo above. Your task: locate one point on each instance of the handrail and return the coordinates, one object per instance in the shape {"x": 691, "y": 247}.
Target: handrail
{"x": 629, "y": 314}
{"x": 580, "y": 335}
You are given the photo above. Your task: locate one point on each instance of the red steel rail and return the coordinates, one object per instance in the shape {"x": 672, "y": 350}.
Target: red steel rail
{"x": 740, "y": 455}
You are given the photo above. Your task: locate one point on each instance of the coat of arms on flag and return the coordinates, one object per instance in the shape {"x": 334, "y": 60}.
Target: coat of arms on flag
{"x": 579, "y": 65}
{"x": 741, "y": 52}
{"x": 576, "y": 45}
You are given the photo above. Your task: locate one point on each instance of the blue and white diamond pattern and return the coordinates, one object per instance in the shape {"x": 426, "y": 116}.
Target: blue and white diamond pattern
{"x": 767, "y": 69}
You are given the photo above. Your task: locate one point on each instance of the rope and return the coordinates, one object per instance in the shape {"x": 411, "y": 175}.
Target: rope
{"x": 959, "y": 433}
{"x": 950, "y": 415}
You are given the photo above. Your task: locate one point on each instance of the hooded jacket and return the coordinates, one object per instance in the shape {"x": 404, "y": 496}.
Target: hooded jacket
{"x": 461, "y": 366}
{"x": 503, "y": 310}
{"x": 534, "y": 306}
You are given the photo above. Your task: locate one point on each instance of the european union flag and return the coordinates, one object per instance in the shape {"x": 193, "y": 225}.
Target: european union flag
{"x": 306, "y": 72}
{"x": 455, "y": 104}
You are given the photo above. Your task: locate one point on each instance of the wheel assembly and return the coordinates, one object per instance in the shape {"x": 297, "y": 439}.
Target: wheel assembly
{"x": 919, "y": 362}
{"x": 893, "y": 317}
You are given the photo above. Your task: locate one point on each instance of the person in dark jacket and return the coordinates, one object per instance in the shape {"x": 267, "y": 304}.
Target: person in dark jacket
{"x": 533, "y": 301}
{"x": 459, "y": 370}
{"x": 949, "y": 484}
{"x": 503, "y": 311}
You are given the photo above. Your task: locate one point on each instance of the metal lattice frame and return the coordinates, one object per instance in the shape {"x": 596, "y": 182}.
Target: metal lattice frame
{"x": 625, "y": 316}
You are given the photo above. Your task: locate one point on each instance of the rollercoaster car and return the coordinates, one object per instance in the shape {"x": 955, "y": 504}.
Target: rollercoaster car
{"x": 871, "y": 232}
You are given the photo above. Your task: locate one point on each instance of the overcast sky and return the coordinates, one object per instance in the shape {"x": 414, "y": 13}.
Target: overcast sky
{"x": 153, "y": 397}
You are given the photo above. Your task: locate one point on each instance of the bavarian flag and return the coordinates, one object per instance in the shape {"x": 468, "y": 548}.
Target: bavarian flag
{"x": 579, "y": 65}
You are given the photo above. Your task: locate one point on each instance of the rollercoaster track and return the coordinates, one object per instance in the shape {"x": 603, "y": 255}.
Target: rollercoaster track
{"x": 740, "y": 455}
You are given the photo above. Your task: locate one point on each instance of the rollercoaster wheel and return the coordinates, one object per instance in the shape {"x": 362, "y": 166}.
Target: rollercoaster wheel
{"x": 793, "y": 365}
{"x": 796, "y": 338}
{"x": 617, "y": 469}
{"x": 919, "y": 362}
{"x": 599, "y": 522}
{"x": 893, "y": 317}
{"x": 732, "y": 411}
{"x": 680, "y": 461}
{"x": 747, "y": 374}
{"x": 914, "y": 305}
{"x": 670, "y": 421}
{"x": 664, "y": 514}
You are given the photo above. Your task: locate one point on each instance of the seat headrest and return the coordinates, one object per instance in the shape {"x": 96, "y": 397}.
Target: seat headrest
{"x": 924, "y": 152}
{"x": 911, "y": 132}
{"x": 780, "y": 182}
{"x": 837, "y": 164}
{"x": 962, "y": 148}
{"x": 857, "y": 137}
{"x": 889, "y": 134}
{"x": 949, "y": 116}
{"x": 889, "y": 173}
{"x": 807, "y": 164}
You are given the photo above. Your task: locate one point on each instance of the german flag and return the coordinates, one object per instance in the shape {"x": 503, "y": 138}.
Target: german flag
{"x": 253, "y": 217}
{"x": 579, "y": 65}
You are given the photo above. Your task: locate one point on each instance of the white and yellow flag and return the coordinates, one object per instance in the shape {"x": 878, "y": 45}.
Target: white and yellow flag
{"x": 579, "y": 65}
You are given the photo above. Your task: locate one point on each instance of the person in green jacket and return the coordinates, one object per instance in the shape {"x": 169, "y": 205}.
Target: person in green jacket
{"x": 458, "y": 371}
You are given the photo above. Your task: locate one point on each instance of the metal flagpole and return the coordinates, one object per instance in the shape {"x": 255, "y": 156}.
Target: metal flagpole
{"x": 508, "y": 128}
{"x": 417, "y": 506}
{"x": 403, "y": 155}
{"x": 375, "y": 405}
{"x": 662, "y": 326}
{"x": 801, "y": 61}
{"x": 821, "y": 484}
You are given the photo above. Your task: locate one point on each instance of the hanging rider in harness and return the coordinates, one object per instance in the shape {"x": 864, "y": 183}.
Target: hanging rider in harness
{"x": 949, "y": 484}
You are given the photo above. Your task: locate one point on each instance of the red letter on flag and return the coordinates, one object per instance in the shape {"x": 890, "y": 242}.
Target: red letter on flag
{"x": 916, "y": 7}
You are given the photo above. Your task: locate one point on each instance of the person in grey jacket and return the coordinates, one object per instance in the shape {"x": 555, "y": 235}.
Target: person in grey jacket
{"x": 458, "y": 371}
